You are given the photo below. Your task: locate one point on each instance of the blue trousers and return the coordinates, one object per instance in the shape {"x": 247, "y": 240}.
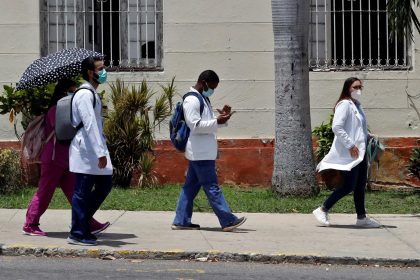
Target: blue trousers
{"x": 89, "y": 193}
{"x": 353, "y": 181}
{"x": 202, "y": 173}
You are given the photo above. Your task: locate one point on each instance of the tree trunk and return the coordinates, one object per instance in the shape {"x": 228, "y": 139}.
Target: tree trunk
{"x": 294, "y": 167}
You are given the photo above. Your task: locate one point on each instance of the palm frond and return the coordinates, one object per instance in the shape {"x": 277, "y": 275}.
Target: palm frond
{"x": 400, "y": 16}
{"x": 169, "y": 90}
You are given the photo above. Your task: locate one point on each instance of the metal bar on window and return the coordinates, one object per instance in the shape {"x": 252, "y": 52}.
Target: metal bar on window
{"x": 344, "y": 41}
{"x": 128, "y": 33}
{"x": 362, "y": 53}
{"x": 387, "y": 45}
{"x": 147, "y": 37}
{"x": 370, "y": 34}
{"x": 119, "y": 33}
{"x": 352, "y": 33}
{"x": 335, "y": 33}
{"x": 111, "y": 62}
{"x": 156, "y": 40}
{"x": 326, "y": 60}
{"x": 87, "y": 18}
{"x": 379, "y": 42}
{"x": 56, "y": 24}
{"x": 84, "y": 24}
{"x": 48, "y": 26}
{"x": 75, "y": 23}
{"x": 360, "y": 33}
{"x": 396, "y": 49}
{"x": 405, "y": 51}
{"x": 138, "y": 35}
{"x": 65, "y": 22}
{"x": 316, "y": 34}
{"x": 102, "y": 26}
{"x": 93, "y": 26}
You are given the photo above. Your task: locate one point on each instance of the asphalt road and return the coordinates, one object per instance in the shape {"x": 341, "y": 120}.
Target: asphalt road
{"x": 31, "y": 268}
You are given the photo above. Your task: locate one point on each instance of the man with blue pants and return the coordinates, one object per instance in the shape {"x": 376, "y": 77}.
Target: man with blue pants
{"x": 201, "y": 152}
{"x": 89, "y": 156}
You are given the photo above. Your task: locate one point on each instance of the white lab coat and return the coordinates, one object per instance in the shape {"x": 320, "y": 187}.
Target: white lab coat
{"x": 348, "y": 129}
{"x": 89, "y": 144}
{"x": 202, "y": 142}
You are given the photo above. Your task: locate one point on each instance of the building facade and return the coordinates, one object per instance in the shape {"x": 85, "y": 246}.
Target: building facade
{"x": 156, "y": 40}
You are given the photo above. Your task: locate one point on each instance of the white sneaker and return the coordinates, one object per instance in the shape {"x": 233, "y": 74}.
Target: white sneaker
{"x": 321, "y": 216}
{"x": 367, "y": 223}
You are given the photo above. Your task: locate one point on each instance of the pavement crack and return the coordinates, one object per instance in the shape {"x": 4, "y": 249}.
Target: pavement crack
{"x": 14, "y": 214}
{"x": 408, "y": 244}
{"x": 207, "y": 241}
{"x": 119, "y": 216}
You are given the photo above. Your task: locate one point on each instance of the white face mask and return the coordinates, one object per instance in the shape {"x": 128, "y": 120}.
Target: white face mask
{"x": 356, "y": 95}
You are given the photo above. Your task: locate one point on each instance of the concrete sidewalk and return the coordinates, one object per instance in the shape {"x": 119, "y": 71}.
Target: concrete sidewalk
{"x": 264, "y": 237}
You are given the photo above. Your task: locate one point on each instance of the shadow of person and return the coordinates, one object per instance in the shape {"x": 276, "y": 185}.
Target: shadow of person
{"x": 105, "y": 238}
{"x": 357, "y": 227}
{"x": 113, "y": 243}
{"x": 115, "y": 236}
{"x": 218, "y": 229}
{"x": 107, "y": 235}
{"x": 114, "y": 239}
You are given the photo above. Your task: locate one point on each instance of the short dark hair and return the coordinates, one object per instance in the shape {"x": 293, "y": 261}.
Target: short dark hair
{"x": 208, "y": 76}
{"x": 89, "y": 64}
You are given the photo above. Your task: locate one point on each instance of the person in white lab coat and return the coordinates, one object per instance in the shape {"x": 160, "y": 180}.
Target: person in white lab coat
{"x": 89, "y": 156}
{"x": 348, "y": 154}
{"x": 201, "y": 152}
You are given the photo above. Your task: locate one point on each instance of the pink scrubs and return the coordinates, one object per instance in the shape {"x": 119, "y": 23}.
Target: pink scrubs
{"x": 54, "y": 172}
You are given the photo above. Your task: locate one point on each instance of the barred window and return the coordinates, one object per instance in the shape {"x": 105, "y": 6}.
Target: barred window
{"x": 128, "y": 32}
{"x": 354, "y": 35}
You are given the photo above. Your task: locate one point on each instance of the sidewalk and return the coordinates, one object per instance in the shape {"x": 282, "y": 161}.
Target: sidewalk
{"x": 264, "y": 237}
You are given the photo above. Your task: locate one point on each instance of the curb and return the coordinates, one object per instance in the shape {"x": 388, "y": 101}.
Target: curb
{"x": 202, "y": 256}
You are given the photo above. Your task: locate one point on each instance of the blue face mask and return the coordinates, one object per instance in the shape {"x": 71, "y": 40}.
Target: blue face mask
{"x": 70, "y": 93}
{"x": 102, "y": 76}
{"x": 209, "y": 92}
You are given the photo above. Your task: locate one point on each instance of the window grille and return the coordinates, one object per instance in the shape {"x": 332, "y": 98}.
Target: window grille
{"x": 354, "y": 35}
{"x": 128, "y": 32}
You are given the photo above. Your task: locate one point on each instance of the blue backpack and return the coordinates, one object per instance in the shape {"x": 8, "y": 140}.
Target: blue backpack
{"x": 178, "y": 129}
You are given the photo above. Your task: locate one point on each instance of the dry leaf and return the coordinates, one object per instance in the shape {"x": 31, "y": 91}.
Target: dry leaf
{"x": 11, "y": 116}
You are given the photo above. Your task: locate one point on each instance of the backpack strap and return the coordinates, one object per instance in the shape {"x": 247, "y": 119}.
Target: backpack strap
{"x": 93, "y": 93}
{"x": 200, "y": 98}
{"x": 71, "y": 103}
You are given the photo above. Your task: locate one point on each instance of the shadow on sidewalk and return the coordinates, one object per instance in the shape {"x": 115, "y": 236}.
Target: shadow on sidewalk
{"x": 106, "y": 239}
{"x": 356, "y": 227}
{"x": 218, "y": 229}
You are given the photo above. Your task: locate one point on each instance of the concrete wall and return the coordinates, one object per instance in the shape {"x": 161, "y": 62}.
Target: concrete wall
{"x": 235, "y": 39}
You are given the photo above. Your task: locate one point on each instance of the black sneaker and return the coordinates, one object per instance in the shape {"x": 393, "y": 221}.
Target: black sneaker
{"x": 78, "y": 241}
{"x": 187, "y": 227}
{"x": 235, "y": 224}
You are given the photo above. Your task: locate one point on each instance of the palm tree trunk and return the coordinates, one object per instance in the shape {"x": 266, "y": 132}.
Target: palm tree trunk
{"x": 294, "y": 172}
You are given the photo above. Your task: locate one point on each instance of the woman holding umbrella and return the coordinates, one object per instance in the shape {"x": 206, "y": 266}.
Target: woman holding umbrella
{"x": 54, "y": 170}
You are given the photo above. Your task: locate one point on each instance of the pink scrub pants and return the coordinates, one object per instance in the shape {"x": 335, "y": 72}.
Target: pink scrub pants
{"x": 51, "y": 177}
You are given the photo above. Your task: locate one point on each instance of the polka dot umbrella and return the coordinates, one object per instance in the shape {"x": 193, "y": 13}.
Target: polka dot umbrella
{"x": 66, "y": 63}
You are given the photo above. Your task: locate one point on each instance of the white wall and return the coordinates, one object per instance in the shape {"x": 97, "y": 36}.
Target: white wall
{"x": 234, "y": 38}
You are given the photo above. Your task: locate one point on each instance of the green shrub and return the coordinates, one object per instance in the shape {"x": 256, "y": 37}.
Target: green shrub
{"x": 130, "y": 127}
{"x": 28, "y": 102}
{"x": 325, "y": 138}
{"x": 414, "y": 163}
{"x": 10, "y": 175}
